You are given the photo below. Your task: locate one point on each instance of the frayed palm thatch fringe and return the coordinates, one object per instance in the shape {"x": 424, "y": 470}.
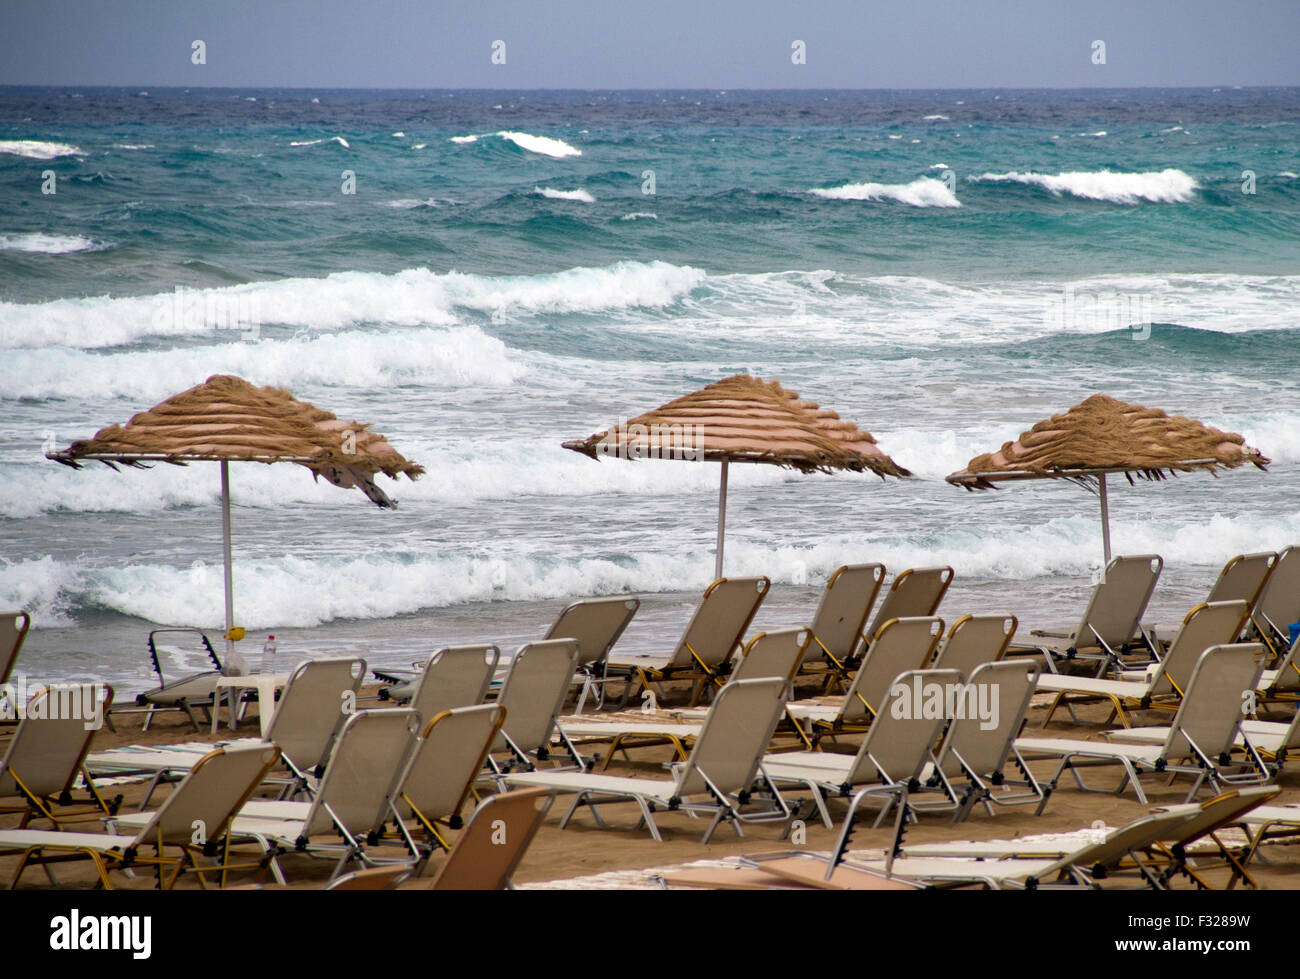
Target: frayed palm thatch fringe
{"x": 1102, "y": 433}
{"x": 228, "y": 419}
{"x": 745, "y": 419}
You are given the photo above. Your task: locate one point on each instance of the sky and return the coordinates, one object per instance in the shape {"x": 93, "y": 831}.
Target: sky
{"x": 651, "y": 44}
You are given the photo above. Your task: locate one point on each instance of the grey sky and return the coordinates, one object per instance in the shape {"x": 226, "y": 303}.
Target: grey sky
{"x": 649, "y": 44}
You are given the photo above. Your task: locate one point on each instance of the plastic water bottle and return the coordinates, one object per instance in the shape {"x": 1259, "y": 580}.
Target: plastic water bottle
{"x": 268, "y": 656}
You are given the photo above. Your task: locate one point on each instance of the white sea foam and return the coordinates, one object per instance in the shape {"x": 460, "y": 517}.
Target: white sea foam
{"x": 415, "y": 297}
{"x": 464, "y": 139}
{"x": 1165, "y": 186}
{"x": 545, "y": 145}
{"x": 579, "y": 195}
{"x": 1290, "y": 174}
{"x": 936, "y": 118}
{"x": 922, "y": 192}
{"x": 36, "y": 149}
{"x": 47, "y": 244}
{"x": 316, "y": 142}
{"x": 1100, "y": 132}
{"x": 640, "y": 215}
{"x": 133, "y": 146}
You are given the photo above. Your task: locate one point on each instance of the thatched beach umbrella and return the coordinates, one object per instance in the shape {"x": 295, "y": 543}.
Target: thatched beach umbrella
{"x": 226, "y": 419}
{"x": 743, "y": 419}
{"x": 1101, "y": 436}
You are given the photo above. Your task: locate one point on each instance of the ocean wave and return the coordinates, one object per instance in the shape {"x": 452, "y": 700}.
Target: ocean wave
{"x": 544, "y": 145}
{"x": 133, "y": 146}
{"x": 1165, "y": 186}
{"x": 46, "y": 244}
{"x": 935, "y": 118}
{"x": 579, "y": 195}
{"x": 415, "y": 297}
{"x": 640, "y": 215}
{"x": 36, "y": 149}
{"x": 316, "y": 142}
{"x": 922, "y": 192}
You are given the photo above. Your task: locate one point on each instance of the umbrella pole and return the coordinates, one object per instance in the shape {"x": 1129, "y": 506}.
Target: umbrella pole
{"x": 722, "y": 520}
{"x": 225, "y": 546}
{"x": 1105, "y": 516}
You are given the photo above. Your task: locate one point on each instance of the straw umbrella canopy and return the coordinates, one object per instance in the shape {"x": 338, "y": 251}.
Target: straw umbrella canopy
{"x": 743, "y": 419}
{"x": 226, "y": 419}
{"x": 1101, "y": 436}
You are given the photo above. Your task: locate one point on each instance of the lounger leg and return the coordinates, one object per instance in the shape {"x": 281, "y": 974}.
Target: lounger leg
{"x": 649, "y": 818}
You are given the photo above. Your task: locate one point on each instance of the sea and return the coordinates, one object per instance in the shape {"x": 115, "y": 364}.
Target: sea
{"x": 482, "y": 275}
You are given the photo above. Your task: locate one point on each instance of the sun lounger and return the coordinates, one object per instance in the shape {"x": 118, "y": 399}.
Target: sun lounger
{"x": 1279, "y": 605}
{"x": 351, "y": 803}
{"x": 313, "y": 707}
{"x": 1112, "y": 622}
{"x": 915, "y": 593}
{"x": 715, "y": 779}
{"x": 455, "y": 676}
{"x": 978, "y": 746}
{"x": 1162, "y": 683}
{"x": 532, "y": 695}
{"x": 45, "y": 756}
{"x": 14, "y": 627}
{"x": 716, "y": 631}
{"x": 441, "y": 771}
{"x": 1273, "y": 740}
{"x": 1242, "y": 579}
{"x": 898, "y": 745}
{"x": 194, "y": 820}
{"x": 488, "y": 852}
{"x": 841, "y": 618}
{"x": 184, "y": 694}
{"x": 973, "y": 641}
{"x": 1282, "y": 683}
{"x": 899, "y": 645}
{"x": 371, "y": 879}
{"x": 597, "y": 624}
{"x": 768, "y": 654}
{"x": 1197, "y": 742}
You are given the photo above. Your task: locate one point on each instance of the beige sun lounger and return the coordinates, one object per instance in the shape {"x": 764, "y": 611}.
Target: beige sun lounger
{"x": 973, "y": 641}
{"x": 1242, "y": 579}
{"x": 1111, "y": 626}
{"x": 838, "y": 627}
{"x": 1201, "y": 735}
{"x": 194, "y": 820}
{"x": 441, "y": 771}
{"x": 312, "y": 708}
{"x": 1282, "y": 683}
{"x": 898, "y": 745}
{"x": 488, "y": 852}
{"x": 898, "y": 646}
{"x": 351, "y": 803}
{"x": 768, "y": 654}
{"x": 597, "y": 624}
{"x": 715, "y": 779}
{"x": 45, "y": 756}
{"x": 1279, "y": 605}
{"x": 455, "y": 676}
{"x": 1161, "y": 684}
{"x": 914, "y": 593}
{"x": 14, "y": 627}
{"x": 716, "y": 631}
{"x": 532, "y": 695}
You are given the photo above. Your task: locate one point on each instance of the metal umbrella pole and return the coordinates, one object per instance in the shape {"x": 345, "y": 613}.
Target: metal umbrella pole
{"x": 722, "y": 520}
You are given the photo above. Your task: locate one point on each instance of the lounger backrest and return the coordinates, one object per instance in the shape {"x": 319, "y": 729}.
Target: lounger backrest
{"x": 720, "y": 620}
{"x": 900, "y": 645}
{"x": 915, "y": 593}
{"x": 1118, "y": 602}
{"x": 368, "y": 758}
{"x": 448, "y": 756}
{"x": 201, "y": 807}
{"x": 1119, "y": 842}
{"x": 842, "y": 613}
{"x": 1212, "y": 624}
{"x": 776, "y": 653}
{"x": 13, "y": 630}
{"x": 974, "y": 640}
{"x": 596, "y": 623}
{"x": 989, "y": 710}
{"x": 313, "y": 708}
{"x": 733, "y": 738}
{"x": 1279, "y": 605}
{"x": 1222, "y": 810}
{"x": 903, "y": 736}
{"x": 457, "y": 676}
{"x": 1288, "y": 671}
{"x": 1243, "y": 578}
{"x": 487, "y": 852}
{"x": 534, "y": 690}
{"x": 46, "y": 751}
{"x": 1211, "y": 710}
